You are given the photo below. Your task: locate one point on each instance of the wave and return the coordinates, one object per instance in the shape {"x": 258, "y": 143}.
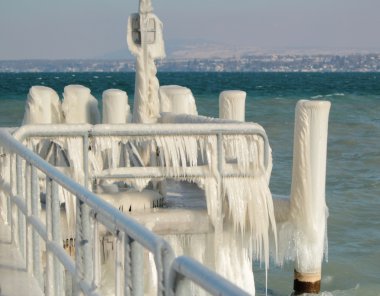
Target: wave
{"x": 328, "y": 96}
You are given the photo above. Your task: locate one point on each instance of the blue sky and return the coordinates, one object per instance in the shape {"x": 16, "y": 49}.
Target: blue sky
{"x": 91, "y": 28}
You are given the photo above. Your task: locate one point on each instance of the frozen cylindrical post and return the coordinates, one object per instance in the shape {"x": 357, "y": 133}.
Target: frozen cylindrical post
{"x": 79, "y": 106}
{"x": 232, "y": 105}
{"x": 115, "y": 107}
{"x": 42, "y": 106}
{"x": 177, "y": 99}
{"x": 308, "y": 209}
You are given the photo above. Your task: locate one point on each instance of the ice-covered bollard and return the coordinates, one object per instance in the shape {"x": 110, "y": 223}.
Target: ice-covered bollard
{"x": 42, "y": 106}
{"x": 232, "y": 105}
{"x": 308, "y": 209}
{"x": 115, "y": 107}
{"x": 79, "y": 106}
{"x": 177, "y": 99}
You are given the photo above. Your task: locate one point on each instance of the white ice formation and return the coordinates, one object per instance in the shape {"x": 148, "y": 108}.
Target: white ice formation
{"x": 303, "y": 237}
{"x": 42, "y": 106}
{"x": 240, "y": 208}
{"x": 115, "y": 107}
{"x": 177, "y": 99}
{"x": 145, "y": 41}
{"x": 79, "y": 106}
{"x": 232, "y": 105}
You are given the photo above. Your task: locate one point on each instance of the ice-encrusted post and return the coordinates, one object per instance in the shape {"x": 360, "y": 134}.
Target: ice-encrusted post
{"x": 115, "y": 107}
{"x": 42, "y": 106}
{"x": 232, "y": 105}
{"x": 79, "y": 106}
{"x": 145, "y": 41}
{"x": 308, "y": 209}
{"x": 177, "y": 99}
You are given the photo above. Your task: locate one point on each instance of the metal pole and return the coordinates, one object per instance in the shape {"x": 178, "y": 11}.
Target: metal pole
{"x": 86, "y": 219}
{"x": 35, "y": 204}
{"x": 50, "y": 279}
{"x": 119, "y": 264}
{"x": 56, "y": 236}
{"x": 29, "y": 240}
{"x": 97, "y": 264}
{"x": 167, "y": 260}
{"x": 83, "y": 250}
{"x": 78, "y": 248}
{"x": 21, "y": 217}
{"x": 218, "y": 236}
{"x": 85, "y": 159}
{"x": 11, "y": 209}
{"x": 137, "y": 264}
{"x": 127, "y": 265}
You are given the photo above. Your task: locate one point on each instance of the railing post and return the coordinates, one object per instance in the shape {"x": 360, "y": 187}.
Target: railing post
{"x": 12, "y": 211}
{"x": 29, "y": 240}
{"x": 50, "y": 279}
{"x": 35, "y": 205}
{"x": 21, "y": 217}
{"x": 57, "y": 237}
{"x": 133, "y": 267}
{"x": 137, "y": 269}
{"x": 119, "y": 264}
{"x": 127, "y": 265}
{"x": 167, "y": 260}
{"x": 96, "y": 254}
{"x": 85, "y": 159}
{"x": 218, "y": 238}
{"x": 83, "y": 250}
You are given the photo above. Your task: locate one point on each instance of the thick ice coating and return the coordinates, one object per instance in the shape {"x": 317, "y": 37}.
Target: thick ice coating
{"x": 242, "y": 204}
{"x": 147, "y": 47}
{"x": 177, "y": 99}
{"x": 79, "y": 106}
{"x": 115, "y": 107}
{"x": 232, "y": 105}
{"x": 42, "y": 106}
{"x": 303, "y": 237}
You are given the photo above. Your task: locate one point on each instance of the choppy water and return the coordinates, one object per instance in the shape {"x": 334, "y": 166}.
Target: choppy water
{"x": 353, "y": 180}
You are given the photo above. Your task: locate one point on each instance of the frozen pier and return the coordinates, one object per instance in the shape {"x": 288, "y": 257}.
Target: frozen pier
{"x": 162, "y": 201}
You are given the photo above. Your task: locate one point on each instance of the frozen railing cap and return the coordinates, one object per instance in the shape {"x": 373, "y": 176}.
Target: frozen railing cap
{"x": 177, "y": 99}
{"x": 42, "y": 106}
{"x": 115, "y": 107}
{"x": 79, "y": 106}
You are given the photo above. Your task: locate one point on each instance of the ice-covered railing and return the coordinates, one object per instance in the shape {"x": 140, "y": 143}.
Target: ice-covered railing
{"x": 20, "y": 200}
{"x": 250, "y": 213}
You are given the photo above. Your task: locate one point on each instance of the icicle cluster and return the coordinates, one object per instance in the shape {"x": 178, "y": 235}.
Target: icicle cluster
{"x": 239, "y": 202}
{"x": 247, "y": 198}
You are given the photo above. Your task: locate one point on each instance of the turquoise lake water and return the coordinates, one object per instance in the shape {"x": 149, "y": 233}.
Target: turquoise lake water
{"x": 353, "y": 169}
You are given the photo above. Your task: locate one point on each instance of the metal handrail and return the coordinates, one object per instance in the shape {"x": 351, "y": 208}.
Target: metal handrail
{"x": 141, "y": 130}
{"x": 130, "y": 234}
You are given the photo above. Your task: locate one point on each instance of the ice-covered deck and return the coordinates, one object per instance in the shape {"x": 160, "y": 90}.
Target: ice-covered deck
{"x": 14, "y": 279}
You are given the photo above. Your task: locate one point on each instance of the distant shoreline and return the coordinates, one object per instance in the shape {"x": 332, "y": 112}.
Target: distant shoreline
{"x": 249, "y": 63}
